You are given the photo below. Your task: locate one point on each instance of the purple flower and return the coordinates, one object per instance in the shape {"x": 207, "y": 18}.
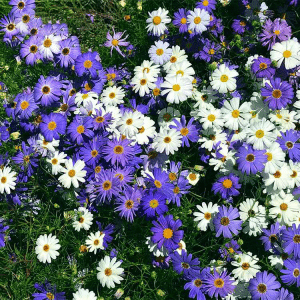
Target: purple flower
{"x": 250, "y": 160}
{"x": 29, "y": 50}
{"x": 154, "y": 203}
{"x": 264, "y": 286}
{"x": 8, "y": 26}
{"x": 180, "y": 20}
{"x": 87, "y": 63}
{"x": 181, "y": 187}
{"x": 239, "y": 26}
{"x": 291, "y": 273}
{"x": 115, "y": 41}
{"x": 90, "y": 152}
{"x": 195, "y": 285}
{"x": 47, "y": 91}
{"x": 209, "y": 52}
{"x": 69, "y": 51}
{"x": 81, "y": 129}
{"x": 48, "y": 291}
{"x": 2, "y": 234}
{"x": 166, "y": 233}
{"x": 291, "y": 240}
{"x": 208, "y": 5}
{"x": 185, "y": 263}
{"x": 289, "y": 142}
{"x": 161, "y": 262}
{"x": 34, "y": 26}
{"x": 227, "y": 186}
{"x": 21, "y": 6}
{"x": 262, "y": 68}
{"x": 225, "y": 222}
{"x": 108, "y": 231}
{"x": 101, "y": 119}
{"x": 285, "y": 295}
{"x": 25, "y": 106}
{"x": 271, "y": 236}
{"x": 218, "y": 284}
{"x": 52, "y": 125}
{"x": 230, "y": 250}
{"x": 278, "y": 94}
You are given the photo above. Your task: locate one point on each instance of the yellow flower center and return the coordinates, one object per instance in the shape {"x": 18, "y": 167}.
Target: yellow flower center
{"x": 115, "y": 42}
{"x": 259, "y": 134}
{"x": 235, "y": 114}
{"x": 207, "y": 216}
{"x": 24, "y": 105}
{"x": 184, "y": 131}
{"x": 51, "y": 125}
{"x": 283, "y": 206}
{"x": 118, "y": 149}
{"x": 276, "y": 94}
{"x": 71, "y": 173}
{"x": 167, "y": 233}
{"x": 183, "y": 21}
{"x": 158, "y": 184}
{"x": 87, "y": 64}
{"x": 46, "y": 248}
{"x": 219, "y": 283}
{"x": 47, "y": 43}
{"x": 224, "y": 78}
{"x": 156, "y": 92}
{"x": 108, "y": 271}
{"x": 159, "y": 52}
{"x": 50, "y": 296}
{"x": 197, "y": 20}
{"x": 80, "y": 129}
{"x": 211, "y": 118}
{"x": 205, "y": 3}
{"x": 153, "y": 203}
{"x": 176, "y": 87}
{"x": 277, "y": 32}
{"x": 227, "y": 183}
{"x": 287, "y": 53}
{"x": 269, "y": 156}
{"x": 224, "y": 221}
{"x": 3, "y": 180}
{"x": 156, "y": 20}
{"x": 167, "y": 140}
{"x": 106, "y": 185}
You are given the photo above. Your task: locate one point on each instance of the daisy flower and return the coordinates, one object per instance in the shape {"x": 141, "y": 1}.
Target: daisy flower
{"x": 109, "y": 272}
{"x": 48, "y": 291}
{"x": 291, "y": 240}
{"x": 167, "y": 115}
{"x": 72, "y": 173}
{"x": 198, "y": 20}
{"x": 193, "y": 178}
{"x": 142, "y": 84}
{"x": 88, "y": 64}
{"x": 84, "y": 98}
{"x": 46, "y": 248}
{"x": 275, "y": 158}
{"x": 245, "y": 266}
{"x": 157, "y": 21}
{"x": 49, "y": 45}
{"x": 210, "y": 117}
{"x": 56, "y": 159}
{"x": 223, "y": 79}
{"x": 148, "y": 68}
{"x": 160, "y": 52}
{"x": 291, "y": 273}
{"x": 84, "y": 294}
{"x": 82, "y": 219}
{"x": 183, "y": 69}
{"x": 287, "y": 52}
{"x": 95, "y": 241}
{"x": 115, "y": 41}
{"x": 178, "y": 55}
{"x": 52, "y": 126}
{"x": 178, "y": 89}
{"x": 167, "y": 141}
{"x": 295, "y": 176}
{"x": 206, "y": 215}
{"x": 113, "y": 95}
{"x": 130, "y": 123}
{"x": 146, "y": 132}
{"x": 227, "y": 186}
{"x": 7, "y": 180}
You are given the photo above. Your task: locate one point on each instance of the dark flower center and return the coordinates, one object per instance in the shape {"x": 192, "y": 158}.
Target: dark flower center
{"x": 262, "y": 288}
{"x": 224, "y": 221}
{"x": 64, "y": 107}
{"x": 11, "y": 27}
{"x": 289, "y": 145}
{"x": 46, "y": 90}
{"x": 118, "y": 150}
{"x": 296, "y": 238}
{"x": 185, "y": 265}
{"x": 33, "y": 31}
{"x": 245, "y": 266}
{"x": 106, "y": 185}
{"x": 152, "y": 154}
{"x": 21, "y": 5}
{"x": 273, "y": 238}
{"x": 108, "y": 271}
{"x": 276, "y": 94}
{"x": 26, "y": 18}
{"x": 65, "y": 51}
{"x": 129, "y": 204}
{"x": 250, "y": 157}
{"x": 197, "y": 282}
{"x": 251, "y": 213}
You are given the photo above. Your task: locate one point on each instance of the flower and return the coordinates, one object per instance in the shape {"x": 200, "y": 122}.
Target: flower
{"x": 227, "y": 186}
{"x": 271, "y": 236}
{"x": 80, "y": 129}
{"x": 208, "y": 5}
{"x": 291, "y": 273}
{"x": 52, "y": 125}
{"x": 46, "y": 248}
{"x": 289, "y": 142}
{"x": 206, "y": 215}
{"x": 262, "y": 68}
{"x": 198, "y": 20}
{"x": 264, "y": 286}
{"x": 291, "y": 240}
{"x": 95, "y": 241}
{"x": 115, "y": 41}
{"x": 48, "y": 291}
{"x": 180, "y": 20}
{"x": 87, "y": 63}
{"x": 166, "y": 233}
{"x": 84, "y": 294}
{"x": 195, "y": 285}
{"x": 69, "y": 51}
{"x": 113, "y": 95}
{"x": 7, "y": 180}
{"x": 154, "y": 203}
{"x": 73, "y": 173}
{"x": 167, "y": 141}
{"x": 225, "y": 222}
{"x": 109, "y": 272}
{"x": 82, "y": 219}
{"x": 157, "y": 21}
{"x": 29, "y": 50}
{"x": 160, "y": 52}
{"x": 56, "y": 159}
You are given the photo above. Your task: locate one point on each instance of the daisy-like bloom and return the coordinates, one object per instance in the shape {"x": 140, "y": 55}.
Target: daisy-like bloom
{"x": 271, "y": 236}
{"x": 157, "y": 21}
{"x": 166, "y": 233}
{"x": 223, "y": 79}
{"x": 44, "y": 147}
{"x": 264, "y": 286}
{"x": 289, "y": 142}
{"x": 291, "y": 240}
{"x": 154, "y": 203}
{"x": 160, "y": 52}
{"x": 206, "y": 215}
{"x": 25, "y": 106}
{"x": 275, "y": 158}
{"x": 115, "y": 41}
{"x": 261, "y": 135}
{"x": 113, "y": 95}
{"x": 84, "y": 294}
{"x": 7, "y": 180}
{"x": 287, "y": 52}
{"x": 291, "y": 273}
{"x": 47, "y": 91}
{"x": 130, "y": 123}
{"x": 95, "y": 241}
{"x": 218, "y": 284}
{"x": 285, "y": 295}
{"x": 253, "y": 216}
{"x": 49, "y": 45}
{"x": 234, "y": 114}
{"x": 178, "y": 89}
{"x": 81, "y": 99}
{"x": 195, "y": 285}
{"x": 109, "y": 272}
{"x": 69, "y": 51}
{"x": 46, "y": 248}
{"x": 208, "y": 5}
{"x": 183, "y": 69}
{"x": 56, "y": 159}
{"x": 245, "y": 266}
{"x": 87, "y": 63}
{"x": 198, "y": 20}
{"x": 227, "y": 186}
{"x": 285, "y": 208}
{"x": 167, "y": 141}
{"x": 29, "y": 50}
{"x": 167, "y": 115}
{"x": 262, "y": 68}
{"x": 72, "y": 173}
{"x": 143, "y": 83}
{"x": 48, "y": 291}
{"x": 250, "y": 160}
{"x": 81, "y": 129}
{"x": 225, "y": 222}
{"x": 82, "y": 219}
{"x": 185, "y": 263}
{"x": 180, "y": 20}
{"x": 148, "y": 68}
{"x": 52, "y": 126}
{"x": 146, "y": 132}
{"x": 178, "y": 55}
{"x": 193, "y": 178}
{"x": 20, "y": 6}
{"x": 278, "y": 94}
{"x": 295, "y": 176}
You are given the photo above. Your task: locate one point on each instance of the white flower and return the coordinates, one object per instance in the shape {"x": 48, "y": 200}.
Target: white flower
{"x": 160, "y": 52}
{"x": 109, "y": 272}
{"x": 193, "y": 178}
{"x": 95, "y": 241}
{"x": 146, "y": 131}
{"x": 198, "y": 20}
{"x": 46, "y": 248}
{"x": 44, "y": 146}
{"x": 142, "y": 84}
{"x": 130, "y": 123}
{"x": 84, "y": 98}
{"x": 178, "y": 55}
{"x": 275, "y": 158}
{"x": 7, "y": 180}
{"x": 83, "y": 294}
{"x": 223, "y": 79}
{"x": 178, "y": 89}
{"x": 154, "y": 249}
{"x": 56, "y": 159}
{"x": 113, "y": 95}
{"x": 224, "y": 161}
{"x": 148, "y": 68}
{"x": 287, "y": 51}
{"x": 204, "y": 97}
{"x": 211, "y": 136}
{"x": 157, "y": 21}
{"x": 168, "y": 141}
{"x": 181, "y": 246}
{"x": 72, "y": 173}
{"x": 285, "y": 209}
{"x": 182, "y": 69}
{"x": 206, "y": 215}
{"x": 246, "y": 266}
{"x": 50, "y": 45}
{"x": 295, "y": 176}
{"x": 284, "y": 118}
{"x": 83, "y": 219}
{"x": 210, "y": 117}
{"x": 261, "y": 134}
